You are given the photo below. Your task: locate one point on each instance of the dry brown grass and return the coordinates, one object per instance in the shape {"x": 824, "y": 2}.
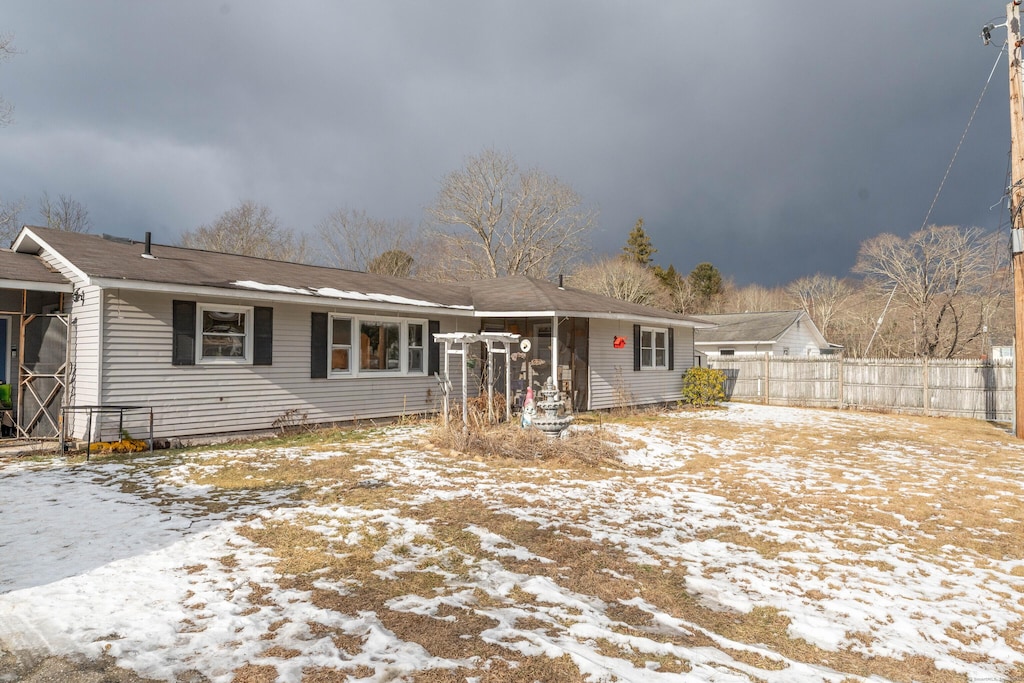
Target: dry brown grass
{"x": 912, "y": 479}
{"x": 953, "y": 506}
{"x": 582, "y": 566}
{"x": 319, "y": 674}
{"x": 250, "y": 673}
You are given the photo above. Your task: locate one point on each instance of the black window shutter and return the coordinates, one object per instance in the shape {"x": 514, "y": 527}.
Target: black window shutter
{"x": 433, "y": 348}
{"x": 636, "y": 348}
{"x": 671, "y": 348}
{"x": 263, "y": 335}
{"x": 318, "y": 346}
{"x": 183, "y": 320}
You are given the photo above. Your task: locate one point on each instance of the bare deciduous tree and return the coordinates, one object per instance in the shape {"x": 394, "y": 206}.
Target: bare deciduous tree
{"x": 753, "y": 299}
{"x": 7, "y": 51}
{"x": 65, "y": 213}
{"x": 507, "y": 222}
{"x": 394, "y": 262}
{"x": 945, "y": 282}
{"x": 357, "y": 241}
{"x": 249, "y": 229}
{"x": 10, "y": 223}
{"x": 822, "y": 297}
{"x": 622, "y": 278}
{"x": 854, "y": 323}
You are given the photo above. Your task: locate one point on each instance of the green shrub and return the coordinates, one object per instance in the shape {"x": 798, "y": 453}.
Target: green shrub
{"x": 703, "y": 387}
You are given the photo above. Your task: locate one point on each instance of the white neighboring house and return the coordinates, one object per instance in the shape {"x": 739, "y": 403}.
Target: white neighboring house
{"x": 776, "y": 333}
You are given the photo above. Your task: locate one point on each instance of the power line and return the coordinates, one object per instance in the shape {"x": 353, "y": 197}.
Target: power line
{"x": 942, "y": 183}
{"x": 956, "y": 151}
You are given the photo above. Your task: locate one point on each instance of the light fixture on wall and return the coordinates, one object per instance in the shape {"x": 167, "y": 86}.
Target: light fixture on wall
{"x": 78, "y": 296}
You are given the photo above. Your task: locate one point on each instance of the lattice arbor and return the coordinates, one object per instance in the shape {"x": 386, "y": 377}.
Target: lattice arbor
{"x": 43, "y": 374}
{"x": 459, "y": 344}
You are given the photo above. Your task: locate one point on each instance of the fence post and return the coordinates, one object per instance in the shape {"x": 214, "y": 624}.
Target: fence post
{"x": 767, "y": 379}
{"x": 927, "y": 401}
{"x": 842, "y": 357}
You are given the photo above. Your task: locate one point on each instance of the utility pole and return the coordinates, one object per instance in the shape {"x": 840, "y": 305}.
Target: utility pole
{"x": 1013, "y": 37}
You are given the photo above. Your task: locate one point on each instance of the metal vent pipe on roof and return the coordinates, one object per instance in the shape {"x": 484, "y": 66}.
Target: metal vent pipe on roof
{"x": 148, "y": 251}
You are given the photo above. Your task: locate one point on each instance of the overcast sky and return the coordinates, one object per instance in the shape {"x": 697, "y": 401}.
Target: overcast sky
{"x": 769, "y": 138}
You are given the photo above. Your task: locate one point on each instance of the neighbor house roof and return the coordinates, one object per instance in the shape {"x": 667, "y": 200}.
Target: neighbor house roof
{"x": 748, "y": 328}
{"x": 27, "y": 271}
{"x": 118, "y": 262}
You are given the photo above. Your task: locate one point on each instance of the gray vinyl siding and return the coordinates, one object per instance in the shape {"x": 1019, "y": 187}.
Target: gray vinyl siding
{"x": 83, "y": 340}
{"x": 614, "y": 383}
{"x": 85, "y": 345}
{"x": 205, "y": 399}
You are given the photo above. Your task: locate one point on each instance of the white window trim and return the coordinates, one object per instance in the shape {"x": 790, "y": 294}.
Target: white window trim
{"x": 654, "y": 348}
{"x": 330, "y": 346}
{"x": 409, "y": 347}
{"x": 246, "y": 359}
{"x": 355, "y": 352}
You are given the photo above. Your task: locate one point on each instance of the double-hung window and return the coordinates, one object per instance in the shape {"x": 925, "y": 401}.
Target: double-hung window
{"x": 341, "y": 345}
{"x": 415, "y": 347}
{"x": 220, "y": 333}
{"x": 653, "y": 347}
{"x": 225, "y": 333}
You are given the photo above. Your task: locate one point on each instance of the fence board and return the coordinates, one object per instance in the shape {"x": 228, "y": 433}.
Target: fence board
{"x": 960, "y": 387}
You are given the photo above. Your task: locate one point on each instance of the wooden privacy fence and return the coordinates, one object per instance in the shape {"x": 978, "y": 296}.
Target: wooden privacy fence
{"x": 961, "y": 388}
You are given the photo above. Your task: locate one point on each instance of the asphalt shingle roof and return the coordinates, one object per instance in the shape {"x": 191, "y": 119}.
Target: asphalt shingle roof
{"x": 103, "y": 257}
{"x": 108, "y": 258}
{"x": 27, "y": 268}
{"x": 523, "y": 293}
{"x": 747, "y": 327}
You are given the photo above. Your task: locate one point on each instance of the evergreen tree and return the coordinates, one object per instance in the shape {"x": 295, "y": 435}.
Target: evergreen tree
{"x": 706, "y": 283}
{"x": 669, "y": 277}
{"x": 638, "y": 245}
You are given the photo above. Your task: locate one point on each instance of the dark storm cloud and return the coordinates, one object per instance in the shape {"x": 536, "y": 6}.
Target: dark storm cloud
{"x": 768, "y": 138}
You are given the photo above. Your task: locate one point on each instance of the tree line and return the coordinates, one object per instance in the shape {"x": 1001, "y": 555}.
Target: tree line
{"x": 943, "y": 291}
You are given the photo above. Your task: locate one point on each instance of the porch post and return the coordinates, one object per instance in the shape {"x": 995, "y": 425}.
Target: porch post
{"x": 465, "y": 390}
{"x": 554, "y": 350}
{"x": 508, "y": 381}
{"x": 445, "y": 388}
{"x": 490, "y": 383}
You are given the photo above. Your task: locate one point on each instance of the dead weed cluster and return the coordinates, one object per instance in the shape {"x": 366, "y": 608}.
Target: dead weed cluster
{"x": 509, "y": 440}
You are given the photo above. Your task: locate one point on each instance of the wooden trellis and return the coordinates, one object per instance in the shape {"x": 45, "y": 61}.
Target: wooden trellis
{"x": 458, "y": 344}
